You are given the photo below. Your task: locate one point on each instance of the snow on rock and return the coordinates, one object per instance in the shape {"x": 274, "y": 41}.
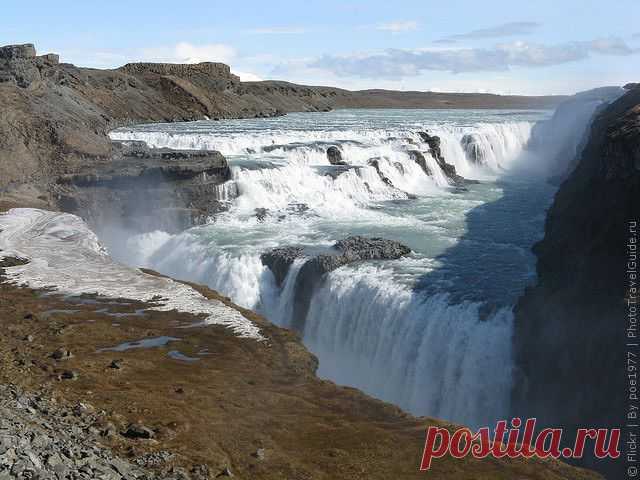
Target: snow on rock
{"x": 64, "y": 254}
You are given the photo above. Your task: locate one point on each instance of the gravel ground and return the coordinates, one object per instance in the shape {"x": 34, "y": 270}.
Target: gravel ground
{"x": 40, "y": 439}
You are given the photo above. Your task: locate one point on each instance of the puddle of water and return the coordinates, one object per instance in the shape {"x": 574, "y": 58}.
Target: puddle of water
{"x": 152, "y": 342}
{"x": 138, "y": 313}
{"x": 91, "y": 301}
{"x": 48, "y": 313}
{"x": 176, "y": 355}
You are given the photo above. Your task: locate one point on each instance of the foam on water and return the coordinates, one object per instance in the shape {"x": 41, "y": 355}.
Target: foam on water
{"x": 362, "y": 323}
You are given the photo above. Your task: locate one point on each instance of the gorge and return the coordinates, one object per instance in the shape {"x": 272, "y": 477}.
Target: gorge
{"x": 396, "y": 242}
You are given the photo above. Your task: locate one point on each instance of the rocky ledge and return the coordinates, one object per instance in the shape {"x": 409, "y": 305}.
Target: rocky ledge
{"x": 146, "y": 189}
{"x": 317, "y": 265}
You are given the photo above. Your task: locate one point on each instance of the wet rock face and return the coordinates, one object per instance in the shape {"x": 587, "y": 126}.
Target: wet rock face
{"x": 334, "y": 155}
{"x": 434, "y": 147}
{"x": 434, "y": 144}
{"x": 279, "y": 260}
{"x": 569, "y": 337}
{"x": 147, "y": 188}
{"x": 418, "y": 157}
{"x": 375, "y": 163}
{"x": 312, "y": 272}
{"x": 472, "y": 149}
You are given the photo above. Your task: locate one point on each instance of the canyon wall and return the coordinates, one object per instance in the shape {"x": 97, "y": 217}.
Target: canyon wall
{"x": 571, "y": 337}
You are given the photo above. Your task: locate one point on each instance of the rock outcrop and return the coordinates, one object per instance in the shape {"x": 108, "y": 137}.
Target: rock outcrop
{"x": 375, "y": 163}
{"x": 473, "y": 151}
{"x": 418, "y": 157}
{"x": 573, "y": 326}
{"x": 436, "y": 152}
{"x": 145, "y": 189}
{"x": 280, "y": 259}
{"x": 334, "y": 155}
{"x": 15, "y": 52}
{"x": 316, "y": 266}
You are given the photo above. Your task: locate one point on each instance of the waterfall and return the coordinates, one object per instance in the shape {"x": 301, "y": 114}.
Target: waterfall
{"x": 362, "y": 324}
{"x": 496, "y": 145}
{"x": 373, "y": 326}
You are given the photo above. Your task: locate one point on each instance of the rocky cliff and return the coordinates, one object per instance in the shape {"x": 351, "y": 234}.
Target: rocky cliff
{"x": 571, "y": 336}
{"x": 143, "y": 189}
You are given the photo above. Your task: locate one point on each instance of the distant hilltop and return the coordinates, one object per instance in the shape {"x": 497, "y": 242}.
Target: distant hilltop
{"x": 214, "y": 69}
{"x": 332, "y": 97}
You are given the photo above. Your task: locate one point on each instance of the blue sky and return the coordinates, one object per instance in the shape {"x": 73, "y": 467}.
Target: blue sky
{"x": 499, "y": 46}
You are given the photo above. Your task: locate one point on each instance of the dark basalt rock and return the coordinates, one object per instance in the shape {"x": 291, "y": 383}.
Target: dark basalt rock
{"x": 449, "y": 170}
{"x": 261, "y": 214}
{"x": 312, "y": 273}
{"x": 280, "y": 259}
{"x": 147, "y": 188}
{"x": 570, "y": 336}
{"x": 364, "y": 248}
{"x": 375, "y": 163}
{"x": 472, "y": 149}
{"x": 12, "y": 262}
{"x": 334, "y": 155}
{"x": 434, "y": 144}
{"x": 418, "y": 157}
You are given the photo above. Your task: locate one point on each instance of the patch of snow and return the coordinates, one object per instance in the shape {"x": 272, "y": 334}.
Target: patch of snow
{"x": 65, "y": 255}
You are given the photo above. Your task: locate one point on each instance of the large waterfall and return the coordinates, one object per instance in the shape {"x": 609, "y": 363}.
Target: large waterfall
{"x": 430, "y": 332}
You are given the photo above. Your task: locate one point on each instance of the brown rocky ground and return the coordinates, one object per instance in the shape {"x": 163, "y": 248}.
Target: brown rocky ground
{"x": 255, "y": 408}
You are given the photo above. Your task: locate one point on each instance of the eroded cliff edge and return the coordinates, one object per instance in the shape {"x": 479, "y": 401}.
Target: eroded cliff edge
{"x": 570, "y": 337}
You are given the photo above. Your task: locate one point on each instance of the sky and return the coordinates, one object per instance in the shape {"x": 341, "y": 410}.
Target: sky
{"x": 500, "y": 46}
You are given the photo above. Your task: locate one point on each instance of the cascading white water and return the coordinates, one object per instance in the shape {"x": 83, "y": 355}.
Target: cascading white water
{"x": 500, "y": 142}
{"x": 400, "y": 330}
{"x": 362, "y": 323}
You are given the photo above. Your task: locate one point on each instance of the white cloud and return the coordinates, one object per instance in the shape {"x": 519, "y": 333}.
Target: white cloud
{"x": 247, "y": 76}
{"x": 397, "y": 27}
{"x": 284, "y": 30}
{"x": 185, "y": 52}
{"x": 395, "y": 64}
{"x": 502, "y": 30}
